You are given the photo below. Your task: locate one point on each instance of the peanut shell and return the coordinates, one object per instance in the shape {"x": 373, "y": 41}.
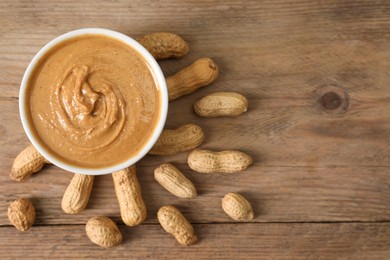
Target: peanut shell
{"x": 176, "y": 224}
{"x": 26, "y": 163}
{"x": 77, "y": 194}
{"x": 199, "y": 74}
{"x": 164, "y": 45}
{"x": 103, "y": 232}
{"x": 174, "y": 181}
{"x": 221, "y": 104}
{"x": 230, "y": 161}
{"x": 21, "y": 214}
{"x": 183, "y": 138}
{"x": 128, "y": 193}
{"x": 237, "y": 207}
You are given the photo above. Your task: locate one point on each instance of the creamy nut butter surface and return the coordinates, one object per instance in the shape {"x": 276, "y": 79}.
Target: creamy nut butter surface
{"x": 93, "y": 102}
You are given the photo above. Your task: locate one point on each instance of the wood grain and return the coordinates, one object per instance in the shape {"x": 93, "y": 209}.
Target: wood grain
{"x": 317, "y": 76}
{"x": 247, "y": 241}
{"x": 278, "y": 194}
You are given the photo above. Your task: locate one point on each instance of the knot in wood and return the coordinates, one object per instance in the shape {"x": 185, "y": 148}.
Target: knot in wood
{"x": 332, "y": 99}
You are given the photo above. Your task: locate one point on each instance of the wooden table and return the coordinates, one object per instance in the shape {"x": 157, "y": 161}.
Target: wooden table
{"x": 317, "y": 75}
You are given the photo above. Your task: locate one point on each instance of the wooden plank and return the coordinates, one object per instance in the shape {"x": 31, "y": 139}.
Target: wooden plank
{"x": 280, "y": 61}
{"x": 285, "y": 46}
{"x": 278, "y": 194}
{"x": 242, "y": 241}
{"x": 274, "y": 132}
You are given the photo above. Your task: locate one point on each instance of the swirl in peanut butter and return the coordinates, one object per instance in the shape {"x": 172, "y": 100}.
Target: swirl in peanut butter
{"x": 88, "y": 113}
{"x": 94, "y": 101}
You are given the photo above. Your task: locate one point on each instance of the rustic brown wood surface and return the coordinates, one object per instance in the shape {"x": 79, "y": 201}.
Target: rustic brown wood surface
{"x": 317, "y": 76}
{"x": 247, "y": 241}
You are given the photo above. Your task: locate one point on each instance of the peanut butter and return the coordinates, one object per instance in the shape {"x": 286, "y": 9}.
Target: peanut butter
{"x": 94, "y": 102}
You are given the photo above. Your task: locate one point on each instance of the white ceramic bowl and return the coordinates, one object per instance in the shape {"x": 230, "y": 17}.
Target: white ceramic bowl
{"x": 155, "y": 69}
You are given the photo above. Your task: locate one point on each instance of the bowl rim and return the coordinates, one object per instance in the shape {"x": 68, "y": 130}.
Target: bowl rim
{"x": 155, "y": 69}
